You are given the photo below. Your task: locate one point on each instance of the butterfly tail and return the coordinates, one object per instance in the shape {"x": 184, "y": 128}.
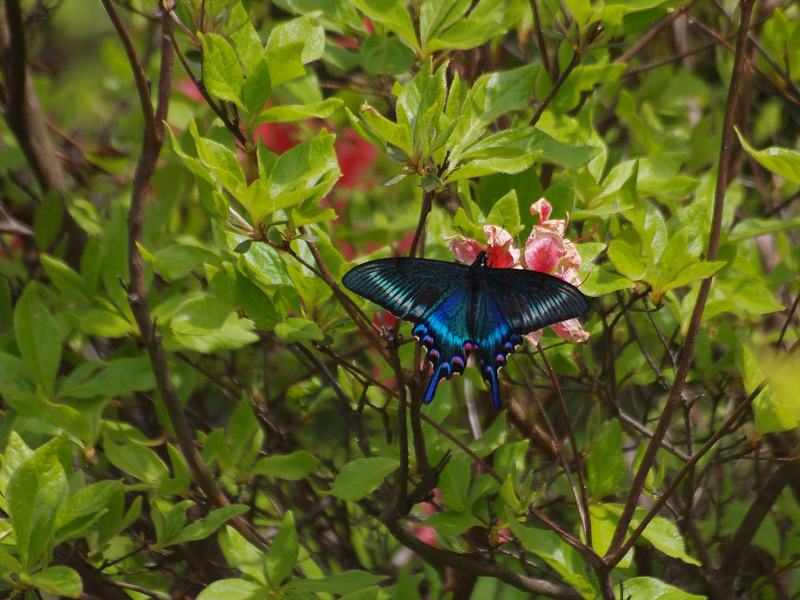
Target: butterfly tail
{"x": 490, "y": 377}
{"x": 440, "y": 371}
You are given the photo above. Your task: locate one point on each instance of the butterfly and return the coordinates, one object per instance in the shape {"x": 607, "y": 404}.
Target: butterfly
{"x": 457, "y": 309}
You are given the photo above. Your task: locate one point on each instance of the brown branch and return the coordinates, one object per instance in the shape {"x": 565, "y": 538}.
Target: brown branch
{"x": 470, "y": 563}
{"x": 739, "y": 545}
{"x": 613, "y": 555}
{"x": 537, "y": 25}
{"x": 687, "y": 468}
{"x": 582, "y": 499}
{"x": 652, "y": 32}
{"x": 576, "y": 58}
{"x": 137, "y": 287}
{"x": 234, "y": 129}
{"x": 23, "y": 113}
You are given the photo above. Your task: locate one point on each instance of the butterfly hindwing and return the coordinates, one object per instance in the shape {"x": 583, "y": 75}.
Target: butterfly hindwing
{"x": 444, "y": 332}
{"x": 494, "y": 336}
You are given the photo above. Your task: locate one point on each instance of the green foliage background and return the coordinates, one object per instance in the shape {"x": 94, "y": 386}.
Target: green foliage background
{"x": 222, "y": 420}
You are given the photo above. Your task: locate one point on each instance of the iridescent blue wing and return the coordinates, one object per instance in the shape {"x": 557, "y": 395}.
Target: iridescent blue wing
{"x": 409, "y": 288}
{"x": 531, "y": 301}
{"x": 513, "y": 303}
{"x": 432, "y": 294}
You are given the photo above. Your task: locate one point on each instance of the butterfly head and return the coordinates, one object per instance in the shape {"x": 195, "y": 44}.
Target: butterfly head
{"x": 482, "y": 260}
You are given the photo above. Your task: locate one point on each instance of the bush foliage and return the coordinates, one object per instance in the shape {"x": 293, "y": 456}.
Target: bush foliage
{"x": 193, "y": 406}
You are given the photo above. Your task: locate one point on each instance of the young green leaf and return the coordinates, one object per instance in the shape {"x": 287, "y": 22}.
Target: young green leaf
{"x": 359, "y": 478}
{"x": 291, "y": 467}
{"x": 222, "y": 74}
{"x": 282, "y": 552}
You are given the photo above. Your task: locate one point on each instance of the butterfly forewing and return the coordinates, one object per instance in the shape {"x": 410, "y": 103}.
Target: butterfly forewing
{"x": 531, "y": 301}
{"x": 409, "y": 288}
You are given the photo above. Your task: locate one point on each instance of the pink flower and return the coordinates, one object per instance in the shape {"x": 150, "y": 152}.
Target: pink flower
{"x": 502, "y": 255}
{"x": 547, "y": 251}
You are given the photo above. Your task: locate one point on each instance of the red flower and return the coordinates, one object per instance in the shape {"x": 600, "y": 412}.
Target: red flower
{"x": 502, "y": 255}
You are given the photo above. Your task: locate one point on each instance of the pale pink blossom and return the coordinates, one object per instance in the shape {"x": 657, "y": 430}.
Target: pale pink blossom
{"x": 547, "y": 251}
{"x": 502, "y": 255}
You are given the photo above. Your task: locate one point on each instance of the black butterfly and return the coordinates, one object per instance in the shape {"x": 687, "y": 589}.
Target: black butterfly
{"x": 460, "y": 308}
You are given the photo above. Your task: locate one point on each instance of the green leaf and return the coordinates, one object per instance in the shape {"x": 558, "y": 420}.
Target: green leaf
{"x": 360, "y": 477}
{"x": 451, "y": 522}
{"x": 600, "y": 282}
{"x": 393, "y": 15}
{"x": 64, "y": 278}
{"x": 783, "y": 161}
{"x": 93, "y": 498}
{"x": 751, "y": 295}
{"x": 200, "y": 316}
{"x": 252, "y": 299}
{"x": 57, "y": 581}
{"x": 655, "y": 589}
{"x": 750, "y": 228}
{"x": 38, "y": 338}
{"x": 305, "y": 29}
{"x": 244, "y": 37}
{"x": 298, "y": 330}
{"x": 242, "y": 555}
{"x": 454, "y": 484}
{"x": 220, "y": 160}
{"x": 492, "y": 96}
{"x": 233, "y": 589}
{"x": 467, "y": 34}
{"x": 114, "y": 378}
{"x": 626, "y": 260}
{"x": 138, "y": 461}
{"x": 222, "y": 74}
{"x": 202, "y": 528}
{"x": 385, "y": 55}
{"x": 16, "y": 379}
{"x": 605, "y": 465}
{"x": 564, "y": 559}
{"x": 370, "y": 593}
{"x": 300, "y": 112}
{"x": 299, "y": 173}
{"x": 285, "y": 63}
{"x": 9, "y": 562}
{"x": 175, "y": 262}
{"x": 291, "y": 467}
{"x": 34, "y": 495}
{"x": 692, "y": 273}
{"x": 257, "y": 88}
{"x": 104, "y": 323}
{"x": 344, "y": 583}
{"x": 480, "y": 167}
{"x": 48, "y": 219}
{"x": 283, "y": 552}
{"x": 505, "y": 213}
{"x": 663, "y": 534}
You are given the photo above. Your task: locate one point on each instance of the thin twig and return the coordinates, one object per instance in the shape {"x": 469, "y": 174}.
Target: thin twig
{"x": 137, "y": 287}
{"x": 615, "y": 553}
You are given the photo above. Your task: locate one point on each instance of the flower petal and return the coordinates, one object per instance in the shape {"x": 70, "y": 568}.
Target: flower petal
{"x": 571, "y": 330}
{"x": 543, "y": 209}
{"x": 534, "y": 337}
{"x": 543, "y": 250}
{"x": 466, "y": 250}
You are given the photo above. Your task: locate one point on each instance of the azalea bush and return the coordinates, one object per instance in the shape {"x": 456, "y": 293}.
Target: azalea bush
{"x": 193, "y": 406}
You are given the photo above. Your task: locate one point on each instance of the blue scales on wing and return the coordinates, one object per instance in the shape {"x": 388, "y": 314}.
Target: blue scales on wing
{"x": 457, "y": 309}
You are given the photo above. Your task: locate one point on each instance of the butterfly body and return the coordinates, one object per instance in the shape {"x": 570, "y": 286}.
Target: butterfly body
{"x": 457, "y": 309}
